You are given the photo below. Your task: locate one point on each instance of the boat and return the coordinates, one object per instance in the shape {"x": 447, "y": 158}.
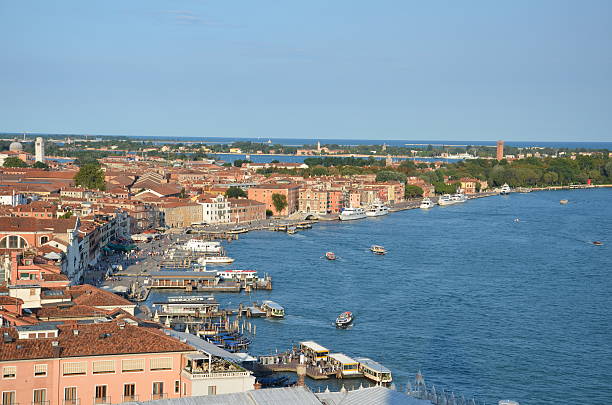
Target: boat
{"x": 238, "y": 274}
{"x": 215, "y": 260}
{"x": 374, "y": 371}
{"x": 377, "y": 209}
{"x": 448, "y": 199}
{"x": 597, "y": 243}
{"x": 272, "y": 309}
{"x": 378, "y": 250}
{"x": 563, "y": 202}
{"x": 505, "y": 189}
{"x": 426, "y": 203}
{"x": 198, "y": 245}
{"x": 291, "y": 230}
{"x": 445, "y": 199}
{"x": 344, "y": 319}
{"x": 330, "y": 256}
{"x": 351, "y": 213}
{"x": 237, "y": 231}
{"x": 459, "y": 197}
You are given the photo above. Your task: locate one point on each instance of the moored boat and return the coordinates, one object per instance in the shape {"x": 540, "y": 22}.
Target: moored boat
{"x": 215, "y": 260}
{"x": 330, "y": 256}
{"x": 344, "y": 319}
{"x": 377, "y": 209}
{"x": 198, "y": 245}
{"x": 378, "y": 250}
{"x": 426, "y": 203}
{"x": 505, "y": 189}
{"x": 272, "y": 309}
{"x": 351, "y": 213}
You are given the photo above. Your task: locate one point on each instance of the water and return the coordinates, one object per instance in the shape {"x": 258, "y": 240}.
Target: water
{"x": 481, "y": 304}
{"x": 300, "y": 159}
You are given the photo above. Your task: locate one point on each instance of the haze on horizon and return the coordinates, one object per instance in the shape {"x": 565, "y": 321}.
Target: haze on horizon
{"x": 519, "y": 70}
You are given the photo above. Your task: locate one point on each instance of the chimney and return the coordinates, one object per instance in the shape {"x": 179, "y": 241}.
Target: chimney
{"x": 301, "y": 374}
{"x": 75, "y": 332}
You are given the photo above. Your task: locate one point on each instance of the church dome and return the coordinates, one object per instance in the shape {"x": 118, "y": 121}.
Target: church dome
{"x": 15, "y": 146}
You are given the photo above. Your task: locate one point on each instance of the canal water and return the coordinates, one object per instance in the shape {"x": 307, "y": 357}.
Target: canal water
{"x": 501, "y": 297}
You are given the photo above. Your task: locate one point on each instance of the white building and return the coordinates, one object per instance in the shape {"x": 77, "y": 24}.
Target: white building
{"x": 9, "y": 197}
{"x": 39, "y": 148}
{"x": 215, "y": 210}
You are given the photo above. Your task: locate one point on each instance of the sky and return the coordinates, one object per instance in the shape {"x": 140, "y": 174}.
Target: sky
{"x": 522, "y": 70}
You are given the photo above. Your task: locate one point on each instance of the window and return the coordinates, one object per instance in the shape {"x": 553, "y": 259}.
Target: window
{"x": 177, "y": 387}
{"x": 9, "y": 372}
{"x": 40, "y": 370}
{"x": 70, "y": 396}
{"x": 132, "y": 365}
{"x": 212, "y": 390}
{"x": 100, "y": 397}
{"x": 8, "y": 398}
{"x": 44, "y": 239}
{"x": 161, "y": 363}
{"x": 129, "y": 392}
{"x": 75, "y": 368}
{"x": 184, "y": 388}
{"x": 13, "y": 242}
{"x": 39, "y": 396}
{"x": 103, "y": 366}
{"x": 158, "y": 390}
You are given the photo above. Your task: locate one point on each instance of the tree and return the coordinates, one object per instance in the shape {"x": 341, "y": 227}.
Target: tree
{"x": 40, "y": 165}
{"x": 239, "y": 162}
{"x": 14, "y": 161}
{"x": 235, "y": 192}
{"x": 387, "y": 175}
{"x": 275, "y": 161}
{"x": 413, "y": 191}
{"x": 269, "y": 213}
{"x": 279, "y": 201}
{"x": 90, "y": 176}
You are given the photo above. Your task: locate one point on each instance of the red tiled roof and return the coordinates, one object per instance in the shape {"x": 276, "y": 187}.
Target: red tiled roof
{"x": 89, "y": 295}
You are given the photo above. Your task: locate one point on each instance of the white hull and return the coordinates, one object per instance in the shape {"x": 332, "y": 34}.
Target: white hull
{"x": 377, "y": 213}
{"x": 351, "y": 217}
{"x": 426, "y": 204}
{"x": 218, "y": 260}
{"x": 349, "y": 214}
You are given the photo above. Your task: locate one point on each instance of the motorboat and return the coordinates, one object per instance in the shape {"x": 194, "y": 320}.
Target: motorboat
{"x": 445, "y": 199}
{"x": 563, "y": 202}
{"x": 272, "y": 309}
{"x": 505, "y": 189}
{"x": 377, "y": 209}
{"x": 237, "y": 231}
{"x": 378, "y": 250}
{"x": 597, "y": 243}
{"x": 215, "y": 260}
{"x": 459, "y": 197}
{"x": 351, "y": 213}
{"x": 291, "y": 230}
{"x": 344, "y": 319}
{"x": 330, "y": 256}
{"x": 198, "y": 245}
{"x": 426, "y": 203}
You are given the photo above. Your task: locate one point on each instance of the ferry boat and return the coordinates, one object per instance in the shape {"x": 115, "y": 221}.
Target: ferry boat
{"x": 237, "y": 274}
{"x": 426, "y": 203}
{"x": 377, "y": 209}
{"x": 198, "y": 245}
{"x": 273, "y": 309}
{"x": 351, "y": 213}
{"x": 374, "y": 371}
{"x": 330, "y": 256}
{"x": 505, "y": 189}
{"x": 344, "y": 319}
{"x": 215, "y": 260}
{"x": 378, "y": 250}
{"x": 347, "y": 367}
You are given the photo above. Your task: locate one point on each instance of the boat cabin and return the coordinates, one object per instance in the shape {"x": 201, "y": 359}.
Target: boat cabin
{"x": 188, "y": 306}
{"x": 348, "y": 367}
{"x": 314, "y": 350}
{"x": 272, "y": 309}
{"x": 374, "y": 371}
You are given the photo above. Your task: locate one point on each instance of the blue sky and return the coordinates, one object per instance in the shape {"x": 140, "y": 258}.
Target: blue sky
{"x": 477, "y": 70}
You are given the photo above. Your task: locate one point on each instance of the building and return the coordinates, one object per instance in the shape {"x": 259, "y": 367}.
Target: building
{"x": 181, "y": 214}
{"x": 500, "y": 150}
{"x": 215, "y": 210}
{"x": 244, "y": 210}
{"x": 264, "y": 194}
{"x": 314, "y": 200}
{"x": 39, "y": 149}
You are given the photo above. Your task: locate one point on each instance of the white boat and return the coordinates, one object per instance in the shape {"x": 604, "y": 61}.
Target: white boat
{"x": 197, "y": 245}
{"x": 215, "y": 260}
{"x": 377, "y": 209}
{"x": 505, "y": 189}
{"x": 272, "y": 309}
{"x": 448, "y": 199}
{"x": 459, "y": 197}
{"x": 427, "y": 203}
{"x": 237, "y": 274}
{"x": 374, "y": 371}
{"x": 351, "y": 213}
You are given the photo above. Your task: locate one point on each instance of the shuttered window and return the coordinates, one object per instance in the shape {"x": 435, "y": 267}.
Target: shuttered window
{"x": 161, "y": 363}
{"x": 79, "y": 368}
{"x": 9, "y": 372}
{"x": 103, "y": 366}
{"x": 132, "y": 365}
{"x": 40, "y": 370}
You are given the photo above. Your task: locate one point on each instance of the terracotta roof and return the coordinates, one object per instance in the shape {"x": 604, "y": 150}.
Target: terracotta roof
{"x": 54, "y": 277}
{"x": 69, "y": 311}
{"x": 93, "y": 339}
{"x": 29, "y": 224}
{"x": 6, "y": 300}
{"x": 89, "y": 295}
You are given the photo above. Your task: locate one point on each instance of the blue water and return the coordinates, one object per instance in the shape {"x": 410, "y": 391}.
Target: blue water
{"x": 481, "y": 304}
{"x": 299, "y": 159}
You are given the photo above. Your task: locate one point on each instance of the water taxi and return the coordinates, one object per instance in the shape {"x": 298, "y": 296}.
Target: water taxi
{"x": 237, "y": 231}
{"x": 426, "y": 203}
{"x": 563, "y": 202}
{"x": 351, "y": 213}
{"x": 378, "y": 250}
{"x": 505, "y": 189}
{"x": 377, "y": 209}
{"x": 198, "y": 245}
{"x": 347, "y": 367}
{"x": 330, "y": 256}
{"x": 374, "y": 371}
{"x": 344, "y": 319}
{"x": 272, "y": 309}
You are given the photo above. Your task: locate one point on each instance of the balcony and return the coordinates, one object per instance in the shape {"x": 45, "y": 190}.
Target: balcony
{"x": 102, "y": 400}
{"x": 76, "y": 401}
{"x": 130, "y": 398}
{"x": 40, "y": 403}
{"x": 159, "y": 396}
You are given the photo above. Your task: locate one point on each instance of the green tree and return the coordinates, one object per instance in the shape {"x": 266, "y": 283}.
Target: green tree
{"x": 413, "y": 191}
{"x": 90, "y": 176}
{"x": 279, "y": 201}
{"x": 269, "y": 213}
{"x": 388, "y": 175}
{"x": 14, "y": 161}
{"x": 239, "y": 162}
{"x": 40, "y": 165}
{"x": 235, "y": 192}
